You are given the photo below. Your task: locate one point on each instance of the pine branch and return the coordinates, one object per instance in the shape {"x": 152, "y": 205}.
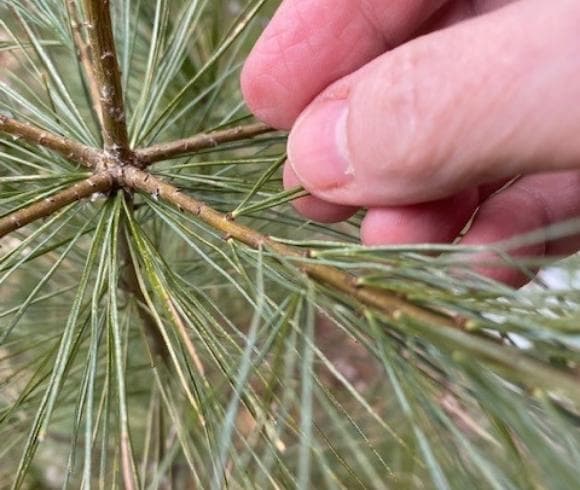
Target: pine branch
{"x": 388, "y": 305}
{"x": 69, "y": 149}
{"x": 346, "y": 283}
{"x": 84, "y": 55}
{"x": 444, "y": 375}
{"x": 202, "y": 141}
{"x": 107, "y": 78}
{"x": 97, "y": 183}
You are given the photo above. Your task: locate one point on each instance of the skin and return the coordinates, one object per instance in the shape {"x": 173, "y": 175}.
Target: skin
{"x": 420, "y": 110}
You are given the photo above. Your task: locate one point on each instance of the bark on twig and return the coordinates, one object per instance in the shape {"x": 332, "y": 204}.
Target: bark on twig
{"x": 69, "y": 149}
{"x": 187, "y": 146}
{"x": 84, "y": 55}
{"x": 107, "y": 78}
{"x": 46, "y": 207}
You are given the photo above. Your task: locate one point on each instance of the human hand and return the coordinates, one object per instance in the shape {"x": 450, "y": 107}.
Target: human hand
{"x": 420, "y": 110}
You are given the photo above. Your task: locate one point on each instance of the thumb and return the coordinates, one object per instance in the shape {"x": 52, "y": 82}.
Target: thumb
{"x": 491, "y": 98}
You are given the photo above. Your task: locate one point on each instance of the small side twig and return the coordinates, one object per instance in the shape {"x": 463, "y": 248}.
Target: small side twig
{"x": 69, "y": 149}
{"x": 46, "y": 207}
{"x": 202, "y": 141}
{"x": 107, "y": 78}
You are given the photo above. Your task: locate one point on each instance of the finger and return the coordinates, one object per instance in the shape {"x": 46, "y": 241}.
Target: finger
{"x": 311, "y": 43}
{"x": 435, "y": 222}
{"x": 531, "y": 204}
{"x": 476, "y": 102}
{"x": 458, "y": 11}
{"x": 314, "y": 208}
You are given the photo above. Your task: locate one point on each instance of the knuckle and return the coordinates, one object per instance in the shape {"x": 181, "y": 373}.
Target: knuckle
{"x": 398, "y": 97}
{"x": 400, "y": 78}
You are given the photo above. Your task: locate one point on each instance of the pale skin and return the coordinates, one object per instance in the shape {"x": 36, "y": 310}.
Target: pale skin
{"x": 420, "y": 110}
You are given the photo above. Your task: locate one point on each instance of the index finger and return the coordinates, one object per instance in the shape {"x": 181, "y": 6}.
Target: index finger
{"x": 311, "y": 43}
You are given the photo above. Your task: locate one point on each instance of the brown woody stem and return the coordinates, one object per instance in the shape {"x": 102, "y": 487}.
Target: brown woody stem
{"x": 46, "y": 207}
{"x": 84, "y": 55}
{"x": 107, "y": 78}
{"x": 69, "y": 149}
{"x": 380, "y": 300}
{"x": 202, "y": 141}
{"x": 383, "y": 302}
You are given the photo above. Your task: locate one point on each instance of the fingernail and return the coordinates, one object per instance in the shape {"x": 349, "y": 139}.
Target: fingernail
{"x": 318, "y": 148}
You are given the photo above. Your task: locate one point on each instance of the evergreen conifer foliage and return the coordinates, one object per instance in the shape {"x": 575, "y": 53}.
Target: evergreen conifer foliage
{"x": 166, "y": 320}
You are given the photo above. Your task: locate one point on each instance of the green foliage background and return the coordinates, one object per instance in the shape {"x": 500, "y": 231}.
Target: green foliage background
{"x": 256, "y": 376}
